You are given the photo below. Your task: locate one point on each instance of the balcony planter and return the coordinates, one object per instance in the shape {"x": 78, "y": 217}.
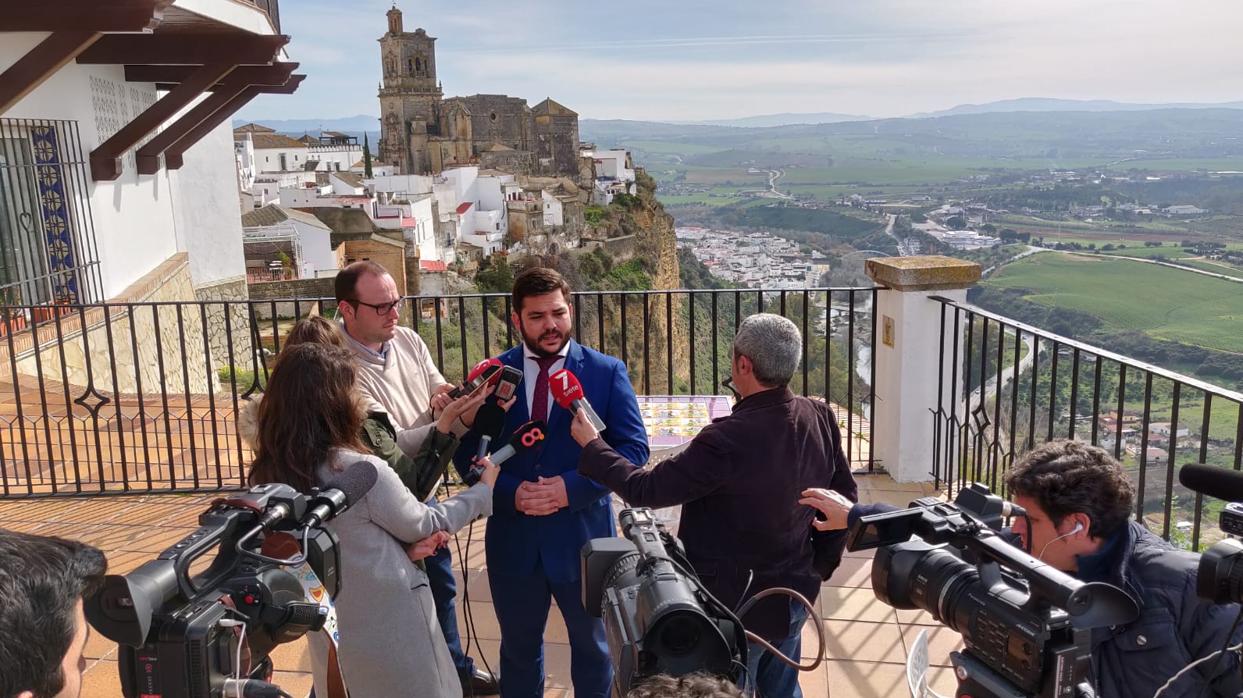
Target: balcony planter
{"x": 13, "y": 323}
{"x": 43, "y": 313}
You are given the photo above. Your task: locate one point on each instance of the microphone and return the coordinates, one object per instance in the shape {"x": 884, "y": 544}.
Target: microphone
{"x": 1212, "y": 481}
{"x": 568, "y": 392}
{"x": 482, "y": 372}
{"x": 489, "y": 422}
{"x": 525, "y": 437}
{"x": 340, "y": 493}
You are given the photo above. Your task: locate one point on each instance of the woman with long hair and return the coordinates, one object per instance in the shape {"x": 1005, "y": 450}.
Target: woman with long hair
{"x": 309, "y": 424}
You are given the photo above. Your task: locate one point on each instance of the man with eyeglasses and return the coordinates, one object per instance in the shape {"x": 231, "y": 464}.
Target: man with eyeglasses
{"x": 397, "y": 376}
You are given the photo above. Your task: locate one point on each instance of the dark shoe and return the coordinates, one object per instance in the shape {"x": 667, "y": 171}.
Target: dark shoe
{"x": 479, "y": 683}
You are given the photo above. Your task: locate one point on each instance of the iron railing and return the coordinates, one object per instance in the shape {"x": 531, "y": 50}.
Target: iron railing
{"x": 144, "y": 397}
{"x": 1005, "y": 387}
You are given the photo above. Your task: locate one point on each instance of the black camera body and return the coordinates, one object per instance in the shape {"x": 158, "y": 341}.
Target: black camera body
{"x": 1025, "y": 625}
{"x": 656, "y": 613}
{"x": 178, "y": 632}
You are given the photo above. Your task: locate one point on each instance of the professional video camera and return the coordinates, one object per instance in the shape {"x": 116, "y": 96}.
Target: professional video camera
{"x": 178, "y": 633}
{"x": 1219, "y": 578}
{"x": 1024, "y": 624}
{"x": 657, "y": 616}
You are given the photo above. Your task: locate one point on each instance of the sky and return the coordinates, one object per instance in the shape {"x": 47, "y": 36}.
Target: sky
{"x": 698, "y": 60}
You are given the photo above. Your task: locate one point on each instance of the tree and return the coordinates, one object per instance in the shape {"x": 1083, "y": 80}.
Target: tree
{"x": 956, "y": 223}
{"x": 366, "y": 156}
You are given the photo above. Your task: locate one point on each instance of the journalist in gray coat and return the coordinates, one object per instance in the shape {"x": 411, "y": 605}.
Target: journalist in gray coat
{"x": 391, "y": 643}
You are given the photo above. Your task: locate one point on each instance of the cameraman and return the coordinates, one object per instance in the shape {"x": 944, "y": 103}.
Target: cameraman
{"x": 42, "y": 626}
{"x": 736, "y": 480}
{"x": 1078, "y": 502}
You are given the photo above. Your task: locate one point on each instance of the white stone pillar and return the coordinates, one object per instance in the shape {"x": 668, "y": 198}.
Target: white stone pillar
{"x": 908, "y": 334}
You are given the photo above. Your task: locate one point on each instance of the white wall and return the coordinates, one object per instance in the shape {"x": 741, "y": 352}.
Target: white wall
{"x": 553, "y": 213}
{"x": 336, "y": 158}
{"x": 205, "y": 209}
{"x": 134, "y": 221}
{"x": 269, "y": 159}
{"x": 411, "y": 185}
{"x": 317, "y": 256}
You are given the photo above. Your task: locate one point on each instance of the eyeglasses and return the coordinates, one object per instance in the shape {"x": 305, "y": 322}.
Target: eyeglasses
{"x": 382, "y": 308}
{"x": 729, "y": 384}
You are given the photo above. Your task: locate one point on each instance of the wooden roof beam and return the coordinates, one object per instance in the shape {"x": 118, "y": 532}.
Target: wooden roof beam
{"x": 173, "y": 154}
{"x": 83, "y": 16}
{"x": 105, "y": 159}
{"x": 183, "y": 49}
{"x": 166, "y": 76}
{"x": 148, "y": 156}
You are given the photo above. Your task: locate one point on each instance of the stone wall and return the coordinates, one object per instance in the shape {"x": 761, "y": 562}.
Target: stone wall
{"x": 231, "y": 336}
{"x": 298, "y": 288}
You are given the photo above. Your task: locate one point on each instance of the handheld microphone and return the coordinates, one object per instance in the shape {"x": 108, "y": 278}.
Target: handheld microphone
{"x": 568, "y": 392}
{"x": 340, "y": 493}
{"x": 1212, "y": 481}
{"x": 525, "y": 437}
{"x": 489, "y": 422}
{"x": 482, "y": 372}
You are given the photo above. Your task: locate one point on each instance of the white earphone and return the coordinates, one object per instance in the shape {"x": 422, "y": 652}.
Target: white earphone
{"x": 1078, "y": 527}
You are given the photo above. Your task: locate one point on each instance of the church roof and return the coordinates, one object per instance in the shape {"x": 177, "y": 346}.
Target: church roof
{"x": 552, "y": 108}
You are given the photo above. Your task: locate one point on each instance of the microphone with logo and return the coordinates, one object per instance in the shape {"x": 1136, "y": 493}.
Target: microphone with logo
{"x": 525, "y": 437}
{"x": 1219, "y": 578}
{"x": 483, "y": 372}
{"x": 568, "y": 392}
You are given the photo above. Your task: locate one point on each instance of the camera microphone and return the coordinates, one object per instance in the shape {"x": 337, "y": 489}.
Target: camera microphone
{"x": 489, "y": 422}
{"x": 1212, "y": 481}
{"x": 340, "y": 493}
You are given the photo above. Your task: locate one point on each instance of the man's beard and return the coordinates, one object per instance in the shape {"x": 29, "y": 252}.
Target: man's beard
{"x": 534, "y": 346}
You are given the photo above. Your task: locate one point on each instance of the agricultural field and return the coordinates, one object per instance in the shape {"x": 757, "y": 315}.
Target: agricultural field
{"x": 1164, "y": 303}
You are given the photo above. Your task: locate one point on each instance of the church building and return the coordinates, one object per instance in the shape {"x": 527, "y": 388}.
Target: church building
{"x": 423, "y": 133}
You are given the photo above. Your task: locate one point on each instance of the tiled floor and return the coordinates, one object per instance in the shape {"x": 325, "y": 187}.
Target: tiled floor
{"x": 865, "y": 641}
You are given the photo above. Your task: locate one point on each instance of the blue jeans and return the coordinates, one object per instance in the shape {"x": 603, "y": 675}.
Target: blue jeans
{"x": 768, "y": 676}
{"x": 444, "y": 593}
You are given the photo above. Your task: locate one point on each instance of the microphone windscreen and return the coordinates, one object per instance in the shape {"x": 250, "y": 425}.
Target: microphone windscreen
{"x": 489, "y": 420}
{"x": 481, "y": 367}
{"x": 354, "y": 482}
{"x": 1213, "y": 481}
{"x": 565, "y": 387}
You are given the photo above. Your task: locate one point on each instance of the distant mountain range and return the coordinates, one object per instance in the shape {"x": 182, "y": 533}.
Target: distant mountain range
{"x": 359, "y": 123}
{"x": 1049, "y": 104}
{"x": 767, "y": 120}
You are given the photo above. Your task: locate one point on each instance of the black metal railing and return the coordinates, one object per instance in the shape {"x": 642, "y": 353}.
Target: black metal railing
{"x": 1006, "y": 387}
{"x": 47, "y": 240}
{"x": 144, "y": 397}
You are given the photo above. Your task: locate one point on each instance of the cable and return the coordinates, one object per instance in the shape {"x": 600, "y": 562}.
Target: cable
{"x": 1222, "y": 652}
{"x": 1192, "y": 665}
{"x": 468, "y": 613}
{"x": 776, "y": 652}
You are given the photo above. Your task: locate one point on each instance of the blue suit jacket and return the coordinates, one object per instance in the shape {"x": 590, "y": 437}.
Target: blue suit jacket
{"x": 517, "y": 542}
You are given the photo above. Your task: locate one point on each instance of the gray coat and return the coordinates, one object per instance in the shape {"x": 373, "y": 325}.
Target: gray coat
{"x": 391, "y": 644}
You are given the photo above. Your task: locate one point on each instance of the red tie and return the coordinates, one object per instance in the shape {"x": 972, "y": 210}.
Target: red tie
{"x": 539, "y": 401}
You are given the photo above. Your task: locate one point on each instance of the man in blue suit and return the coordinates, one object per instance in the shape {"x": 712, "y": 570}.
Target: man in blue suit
{"x": 543, "y": 510}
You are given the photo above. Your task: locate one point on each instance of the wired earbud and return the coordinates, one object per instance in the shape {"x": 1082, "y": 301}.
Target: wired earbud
{"x": 1078, "y": 527}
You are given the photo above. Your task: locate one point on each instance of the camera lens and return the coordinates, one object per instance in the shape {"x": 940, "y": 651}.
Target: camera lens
{"x": 680, "y": 635}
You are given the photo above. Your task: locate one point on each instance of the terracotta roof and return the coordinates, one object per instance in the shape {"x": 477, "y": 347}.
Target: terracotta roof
{"x": 432, "y": 265}
{"x": 464, "y": 207}
{"x": 273, "y": 214}
{"x": 351, "y": 178}
{"x": 548, "y": 106}
{"x": 409, "y": 221}
{"x": 275, "y": 140}
{"x": 253, "y": 128}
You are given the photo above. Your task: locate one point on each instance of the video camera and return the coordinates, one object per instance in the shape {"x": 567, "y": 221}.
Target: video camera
{"x": 1025, "y": 624}
{"x": 1219, "y": 578}
{"x": 177, "y": 632}
{"x": 658, "y": 618}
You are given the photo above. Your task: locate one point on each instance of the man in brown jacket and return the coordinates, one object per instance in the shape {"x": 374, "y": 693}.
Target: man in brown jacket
{"x": 739, "y": 482}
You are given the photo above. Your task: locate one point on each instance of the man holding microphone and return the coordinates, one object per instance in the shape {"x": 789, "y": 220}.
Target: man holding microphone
{"x": 737, "y": 481}
{"x": 543, "y": 510}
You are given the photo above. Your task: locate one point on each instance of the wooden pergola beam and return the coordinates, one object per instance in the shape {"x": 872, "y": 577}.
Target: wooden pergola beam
{"x": 165, "y": 75}
{"x": 183, "y": 49}
{"x": 41, "y": 62}
{"x": 105, "y": 159}
{"x": 173, "y": 159}
{"x": 83, "y": 15}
